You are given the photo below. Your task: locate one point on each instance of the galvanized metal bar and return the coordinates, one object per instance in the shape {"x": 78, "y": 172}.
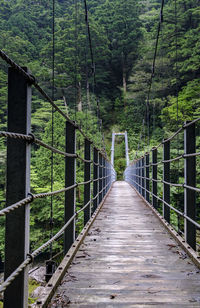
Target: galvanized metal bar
{"x": 87, "y": 177}
{"x": 190, "y": 179}
{"x": 70, "y": 179}
{"x": 95, "y": 177}
{"x": 147, "y": 177}
{"x": 17, "y": 188}
{"x": 142, "y": 171}
{"x": 166, "y": 177}
{"x": 154, "y": 178}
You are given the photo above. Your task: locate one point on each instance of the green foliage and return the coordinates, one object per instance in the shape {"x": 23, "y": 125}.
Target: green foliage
{"x": 188, "y": 105}
{"x": 123, "y": 41}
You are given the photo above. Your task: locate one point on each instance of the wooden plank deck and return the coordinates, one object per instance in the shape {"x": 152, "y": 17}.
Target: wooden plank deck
{"x": 129, "y": 259}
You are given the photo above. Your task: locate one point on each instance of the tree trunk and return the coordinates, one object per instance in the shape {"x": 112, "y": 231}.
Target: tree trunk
{"x": 79, "y": 97}
{"x": 124, "y": 84}
{"x": 124, "y": 80}
{"x": 88, "y": 95}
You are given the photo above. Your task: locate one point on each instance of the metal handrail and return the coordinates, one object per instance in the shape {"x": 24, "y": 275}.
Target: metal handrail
{"x": 138, "y": 175}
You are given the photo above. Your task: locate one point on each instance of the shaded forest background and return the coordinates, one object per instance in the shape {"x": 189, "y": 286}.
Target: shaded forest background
{"x": 123, "y": 41}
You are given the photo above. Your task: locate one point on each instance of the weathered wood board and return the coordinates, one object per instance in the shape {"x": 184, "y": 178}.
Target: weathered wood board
{"x": 129, "y": 259}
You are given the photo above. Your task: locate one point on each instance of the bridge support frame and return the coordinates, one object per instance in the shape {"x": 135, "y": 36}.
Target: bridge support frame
{"x": 166, "y": 178}
{"x": 17, "y": 188}
{"x": 70, "y": 179}
{"x": 113, "y": 147}
{"x": 190, "y": 180}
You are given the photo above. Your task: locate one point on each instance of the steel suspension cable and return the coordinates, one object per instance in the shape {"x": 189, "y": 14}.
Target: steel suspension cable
{"x": 76, "y": 56}
{"x": 52, "y": 123}
{"x": 177, "y": 101}
{"x": 90, "y": 40}
{"x": 92, "y": 60}
{"x": 153, "y": 70}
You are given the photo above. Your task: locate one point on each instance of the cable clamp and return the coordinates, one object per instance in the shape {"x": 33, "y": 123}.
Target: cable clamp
{"x": 33, "y": 81}
{"x": 32, "y": 196}
{"x": 33, "y": 138}
{"x": 29, "y": 255}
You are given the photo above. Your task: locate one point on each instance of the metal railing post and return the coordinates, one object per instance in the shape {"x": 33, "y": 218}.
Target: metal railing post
{"x": 106, "y": 172}
{"x": 95, "y": 176}
{"x": 147, "y": 177}
{"x": 137, "y": 175}
{"x": 154, "y": 177}
{"x": 109, "y": 175}
{"x": 70, "y": 179}
{"x": 138, "y": 168}
{"x": 140, "y": 176}
{"x": 104, "y": 180}
{"x": 166, "y": 177}
{"x": 17, "y": 188}
{"x": 87, "y": 177}
{"x": 142, "y": 162}
{"x": 190, "y": 180}
{"x": 100, "y": 177}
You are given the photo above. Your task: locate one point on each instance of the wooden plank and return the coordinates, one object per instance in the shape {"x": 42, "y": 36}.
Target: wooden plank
{"x": 53, "y": 283}
{"x": 128, "y": 259}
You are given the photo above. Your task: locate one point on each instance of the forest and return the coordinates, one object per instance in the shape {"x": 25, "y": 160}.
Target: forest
{"x": 123, "y": 37}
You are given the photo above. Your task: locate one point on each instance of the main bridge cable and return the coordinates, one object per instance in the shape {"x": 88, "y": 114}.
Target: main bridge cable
{"x": 153, "y": 71}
